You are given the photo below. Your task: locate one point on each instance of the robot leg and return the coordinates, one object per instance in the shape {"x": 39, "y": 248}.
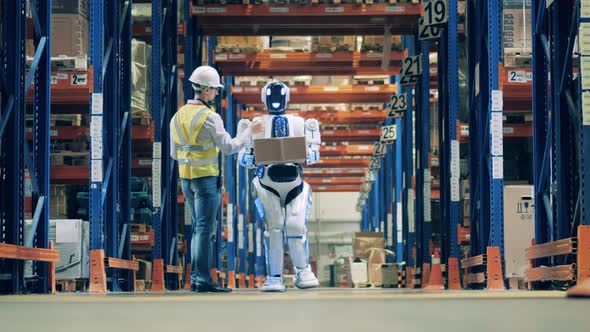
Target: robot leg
{"x": 274, "y": 233}
{"x": 297, "y": 212}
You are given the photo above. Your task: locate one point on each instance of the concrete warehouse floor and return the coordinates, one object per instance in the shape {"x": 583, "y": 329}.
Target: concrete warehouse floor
{"x": 302, "y": 311}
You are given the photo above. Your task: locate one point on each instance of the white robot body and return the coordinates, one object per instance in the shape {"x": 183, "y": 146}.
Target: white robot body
{"x": 283, "y": 199}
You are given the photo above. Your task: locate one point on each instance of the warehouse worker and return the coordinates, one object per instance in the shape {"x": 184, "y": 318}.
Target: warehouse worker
{"x": 196, "y": 136}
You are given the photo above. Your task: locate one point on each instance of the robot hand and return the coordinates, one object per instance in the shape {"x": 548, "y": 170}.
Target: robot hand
{"x": 246, "y": 155}
{"x": 313, "y": 140}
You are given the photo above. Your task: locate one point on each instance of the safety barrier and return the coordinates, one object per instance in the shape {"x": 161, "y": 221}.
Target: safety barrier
{"x": 492, "y": 264}
{"x": 98, "y": 265}
{"x": 51, "y": 256}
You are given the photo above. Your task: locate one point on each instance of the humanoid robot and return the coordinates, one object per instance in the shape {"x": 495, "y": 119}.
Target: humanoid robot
{"x": 282, "y": 198}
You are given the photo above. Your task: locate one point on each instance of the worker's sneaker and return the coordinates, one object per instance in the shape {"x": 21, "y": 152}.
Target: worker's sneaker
{"x": 274, "y": 284}
{"x": 305, "y": 278}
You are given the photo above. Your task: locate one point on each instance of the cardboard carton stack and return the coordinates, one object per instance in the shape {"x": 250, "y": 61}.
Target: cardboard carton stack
{"x": 370, "y": 261}
{"x": 375, "y": 43}
{"x": 516, "y": 32}
{"x": 333, "y": 43}
{"x": 247, "y": 44}
{"x": 70, "y": 27}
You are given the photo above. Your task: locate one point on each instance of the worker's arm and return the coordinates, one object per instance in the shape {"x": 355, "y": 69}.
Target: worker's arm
{"x": 173, "y": 147}
{"x": 222, "y": 139}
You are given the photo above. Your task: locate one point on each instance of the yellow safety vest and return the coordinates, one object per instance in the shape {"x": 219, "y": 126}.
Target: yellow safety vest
{"x": 196, "y": 159}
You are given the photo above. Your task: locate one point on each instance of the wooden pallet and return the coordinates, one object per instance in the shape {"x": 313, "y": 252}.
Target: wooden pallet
{"x": 71, "y": 285}
{"x": 140, "y": 228}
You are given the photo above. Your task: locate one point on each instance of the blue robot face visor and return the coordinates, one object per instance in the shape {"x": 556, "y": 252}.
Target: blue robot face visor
{"x": 276, "y": 98}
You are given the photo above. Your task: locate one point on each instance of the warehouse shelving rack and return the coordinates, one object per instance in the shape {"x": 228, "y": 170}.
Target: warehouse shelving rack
{"x": 317, "y": 19}
{"x": 16, "y": 154}
{"x": 561, "y": 134}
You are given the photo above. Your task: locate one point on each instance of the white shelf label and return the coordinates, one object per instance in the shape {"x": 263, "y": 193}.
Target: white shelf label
{"x": 219, "y": 57}
{"x": 390, "y": 234}
{"x": 156, "y": 182}
{"x": 375, "y": 55}
{"x": 216, "y": 10}
{"x": 62, "y": 76}
{"x": 331, "y": 88}
{"x": 497, "y": 167}
{"x": 519, "y": 76}
{"x": 254, "y": 89}
{"x": 324, "y": 55}
{"x": 278, "y": 56}
{"x": 258, "y": 242}
{"x": 455, "y": 159}
{"x": 497, "y": 132}
{"x": 497, "y": 100}
{"x": 395, "y": 9}
{"x": 237, "y": 89}
{"x": 230, "y": 222}
{"x": 237, "y": 56}
{"x": 97, "y": 102}
{"x": 399, "y": 222}
{"x": 335, "y": 10}
{"x": 79, "y": 79}
{"x": 96, "y": 170}
{"x": 476, "y": 78}
{"x": 199, "y": 10}
{"x": 586, "y": 108}
{"x": 455, "y": 190}
{"x": 278, "y": 9}
{"x": 96, "y": 137}
{"x": 157, "y": 150}
{"x": 372, "y": 88}
{"x": 411, "y": 217}
{"x": 251, "y": 240}
{"x": 584, "y": 38}
{"x": 585, "y": 72}
{"x": 240, "y": 231}
{"x": 427, "y": 196}
{"x": 187, "y": 214}
{"x": 585, "y": 8}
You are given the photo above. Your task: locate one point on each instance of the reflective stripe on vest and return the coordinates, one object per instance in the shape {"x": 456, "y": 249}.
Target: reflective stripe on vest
{"x": 195, "y": 158}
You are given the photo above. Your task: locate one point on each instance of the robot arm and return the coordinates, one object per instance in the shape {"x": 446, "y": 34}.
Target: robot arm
{"x": 246, "y": 155}
{"x": 313, "y": 140}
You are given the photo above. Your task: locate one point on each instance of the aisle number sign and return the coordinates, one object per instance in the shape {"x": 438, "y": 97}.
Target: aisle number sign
{"x": 380, "y": 150}
{"x": 397, "y": 106}
{"x": 411, "y": 70}
{"x": 428, "y": 32}
{"x": 375, "y": 164}
{"x": 388, "y": 134}
{"x": 436, "y": 12}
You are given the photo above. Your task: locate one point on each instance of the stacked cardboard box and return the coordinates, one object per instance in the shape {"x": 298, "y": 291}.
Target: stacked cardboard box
{"x": 333, "y": 43}
{"x": 375, "y": 43}
{"x": 516, "y": 28}
{"x": 289, "y": 44}
{"x": 247, "y": 44}
{"x": 141, "y": 55}
{"x": 70, "y": 27}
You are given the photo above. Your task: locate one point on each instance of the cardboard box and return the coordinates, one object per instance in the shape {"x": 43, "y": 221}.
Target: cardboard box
{"x": 519, "y": 227}
{"x": 57, "y": 201}
{"x": 516, "y": 28}
{"x": 364, "y": 241}
{"x": 70, "y": 34}
{"x": 465, "y": 189}
{"x": 280, "y": 150}
{"x": 389, "y": 274}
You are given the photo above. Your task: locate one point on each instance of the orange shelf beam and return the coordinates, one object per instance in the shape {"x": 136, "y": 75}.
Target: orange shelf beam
{"x": 336, "y": 188}
{"x": 335, "y": 181}
{"x": 71, "y": 87}
{"x": 351, "y": 135}
{"x": 72, "y": 133}
{"x": 343, "y": 162}
{"x": 347, "y": 150}
{"x": 332, "y": 117}
{"x": 351, "y": 94}
{"x": 333, "y": 172}
{"x": 291, "y": 20}
{"x": 299, "y": 63}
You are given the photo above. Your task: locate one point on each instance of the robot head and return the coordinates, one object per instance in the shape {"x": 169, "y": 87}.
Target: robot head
{"x": 275, "y": 95}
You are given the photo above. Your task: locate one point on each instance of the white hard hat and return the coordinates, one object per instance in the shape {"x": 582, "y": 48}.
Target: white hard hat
{"x": 206, "y": 76}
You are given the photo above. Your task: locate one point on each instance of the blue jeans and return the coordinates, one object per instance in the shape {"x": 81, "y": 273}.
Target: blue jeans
{"x": 203, "y": 196}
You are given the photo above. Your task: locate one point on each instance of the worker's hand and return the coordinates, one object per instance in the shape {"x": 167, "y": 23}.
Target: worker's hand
{"x": 257, "y": 127}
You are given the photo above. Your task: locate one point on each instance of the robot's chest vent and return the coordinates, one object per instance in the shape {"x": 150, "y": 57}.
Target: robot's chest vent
{"x": 280, "y": 127}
